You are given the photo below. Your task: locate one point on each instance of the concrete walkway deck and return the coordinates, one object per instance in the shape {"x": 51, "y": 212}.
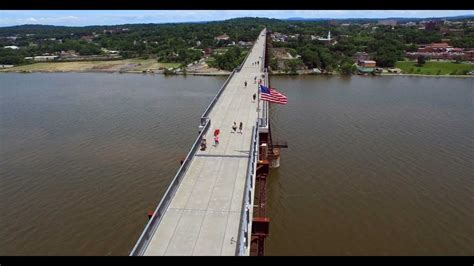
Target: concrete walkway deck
{"x": 204, "y": 215}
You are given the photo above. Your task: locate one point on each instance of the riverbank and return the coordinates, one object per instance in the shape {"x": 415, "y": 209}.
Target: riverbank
{"x": 151, "y": 66}
{"x": 435, "y": 68}
{"x": 133, "y": 66}
{"x": 425, "y": 75}
{"x": 379, "y": 74}
{"x": 126, "y": 65}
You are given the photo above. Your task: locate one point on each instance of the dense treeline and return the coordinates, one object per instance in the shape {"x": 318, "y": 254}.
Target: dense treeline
{"x": 183, "y": 42}
{"x": 230, "y": 59}
{"x": 178, "y": 42}
{"x": 385, "y": 44}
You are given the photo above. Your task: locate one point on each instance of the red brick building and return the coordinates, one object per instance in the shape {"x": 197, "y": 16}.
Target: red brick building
{"x": 435, "y": 47}
{"x": 469, "y": 55}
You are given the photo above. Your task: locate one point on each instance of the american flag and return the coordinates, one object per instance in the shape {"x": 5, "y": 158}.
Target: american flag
{"x": 271, "y": 95}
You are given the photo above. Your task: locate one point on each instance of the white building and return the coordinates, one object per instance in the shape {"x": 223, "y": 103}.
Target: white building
{"x": 11, "y": 47}
{"x": 328, "y": 39}
{"x": 42, "y": 58}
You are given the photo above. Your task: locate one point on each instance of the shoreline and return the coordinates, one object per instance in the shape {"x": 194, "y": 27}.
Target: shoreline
{"x": 225, "y": 73}
{"x": 425, "y": 75}
{"x": 220, "y": 73}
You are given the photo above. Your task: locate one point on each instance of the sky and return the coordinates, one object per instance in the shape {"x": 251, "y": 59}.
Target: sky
{"x": 114, "y": 17}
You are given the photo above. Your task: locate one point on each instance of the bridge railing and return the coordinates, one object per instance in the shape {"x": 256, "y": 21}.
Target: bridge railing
{"x": 155, "y": 220}
{"x": 243, "y": 62}
{"x": 243, "y": 243}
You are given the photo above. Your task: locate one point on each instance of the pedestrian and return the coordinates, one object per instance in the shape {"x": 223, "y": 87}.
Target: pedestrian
{"x": 240, "y": 127}
{"x": 234, "y": 127}
{"x": 254, "y": 96}
{"x": 203, "y": 145}
{"x": 255, "y": 80}
{"x": 216, "y": 141}
{"x": 245, "y": 83}
{"x": 216, "y": 132}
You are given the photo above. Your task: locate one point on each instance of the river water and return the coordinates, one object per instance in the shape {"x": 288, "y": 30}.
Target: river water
{"x": 375, "y": 166}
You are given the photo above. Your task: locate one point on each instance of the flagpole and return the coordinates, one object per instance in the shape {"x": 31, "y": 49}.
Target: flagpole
{"x": 258, "y": 100}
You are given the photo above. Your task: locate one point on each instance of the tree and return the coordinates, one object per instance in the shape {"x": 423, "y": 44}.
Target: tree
{"x": 457, "y": 59}
{"x": 347, "y": 68}
{"x": 293, "y": 64}
{"x": 421, "y": 60}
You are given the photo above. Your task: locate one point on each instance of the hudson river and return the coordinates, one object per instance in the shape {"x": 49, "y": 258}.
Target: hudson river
{"x": 375, "y": 166}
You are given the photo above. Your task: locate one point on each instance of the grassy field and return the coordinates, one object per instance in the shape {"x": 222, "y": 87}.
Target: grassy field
{"x": 132, "y": 65}
{"x": 434, "y": 68}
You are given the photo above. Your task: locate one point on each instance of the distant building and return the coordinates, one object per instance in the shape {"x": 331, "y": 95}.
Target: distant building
{"x": 88, "y": 38}
{"x": 111, "y": 31}
{"x": 434, "y": 47}
{"x": 327, "y": 40}
{"x": 470, "y": 55}
{"x": 207, "y": 51}
{"x": 69, "y": 53}
{"x": 366, "y": 66}
{"x": 431, "y": 24}
{"x": 42, "y": 58}
{"x": 223, "y": 37}
{"x": 409, "y": 24}
{"x": 13, "y": 47}
{"x": 367, "y": 63}
{"x": 388, "y": 22}
{"x": 278, "y": 37}
{"x": 110, "y": 52}
{"x": 245, "y": 44}
{"x": 361, "y": 56}
{"x": 6, "y": 66}
{"x": 459, "y": 32}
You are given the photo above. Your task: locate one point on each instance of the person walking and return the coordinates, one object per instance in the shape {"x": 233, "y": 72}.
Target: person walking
{"x": 216, "y": 141}
{"x": 240, "y": 127}
{"x": 203, "y": 145}
{"x": 216, "y": 132}
{"x": 234, "y": 127}
{"x": 255, "y": 80}
{"x": 245, "y": 83}
{"x": 254, "y": 96}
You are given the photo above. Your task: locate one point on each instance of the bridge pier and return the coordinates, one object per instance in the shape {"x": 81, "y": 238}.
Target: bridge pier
{"x": 274, "y": 158}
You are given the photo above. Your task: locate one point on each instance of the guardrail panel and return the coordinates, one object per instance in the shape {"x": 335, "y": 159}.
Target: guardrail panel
{"x": 155, "y": 220}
